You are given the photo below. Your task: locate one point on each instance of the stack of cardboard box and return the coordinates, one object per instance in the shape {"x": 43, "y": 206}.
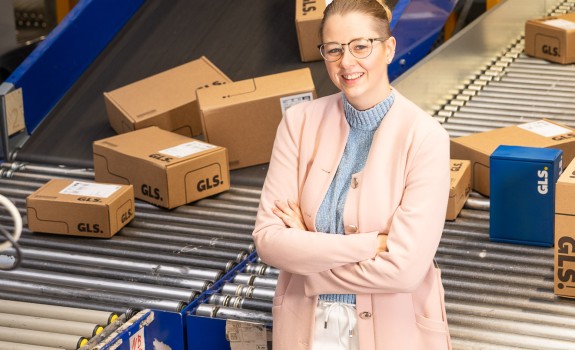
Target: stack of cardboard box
{"x": 531, "y": 199}
{"x": 154, "y": 157}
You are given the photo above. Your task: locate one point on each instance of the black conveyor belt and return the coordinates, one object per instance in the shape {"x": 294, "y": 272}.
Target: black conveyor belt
{"x": 245, "y": 39}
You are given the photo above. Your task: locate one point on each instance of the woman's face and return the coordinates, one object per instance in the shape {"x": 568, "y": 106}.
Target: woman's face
{"x": 363, "y": 81}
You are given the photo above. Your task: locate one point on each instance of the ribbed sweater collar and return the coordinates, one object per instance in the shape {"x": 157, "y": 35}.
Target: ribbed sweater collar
{"x": 369, "y": 119}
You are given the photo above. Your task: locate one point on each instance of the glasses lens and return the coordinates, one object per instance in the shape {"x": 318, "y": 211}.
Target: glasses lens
{"x": 331, "y": 51}
{"x": 360, "y": 48}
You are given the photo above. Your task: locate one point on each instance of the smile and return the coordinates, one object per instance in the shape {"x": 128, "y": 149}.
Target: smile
{"x": 352, "y": 76}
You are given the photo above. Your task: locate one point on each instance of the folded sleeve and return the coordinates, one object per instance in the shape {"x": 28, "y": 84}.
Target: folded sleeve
{"x": 293, "y": 250}
{"x": 415, "y": 230}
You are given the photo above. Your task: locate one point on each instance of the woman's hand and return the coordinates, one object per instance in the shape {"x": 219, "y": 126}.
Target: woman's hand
{"x": 381, "y": 243}
{"x": 290, "y": 214}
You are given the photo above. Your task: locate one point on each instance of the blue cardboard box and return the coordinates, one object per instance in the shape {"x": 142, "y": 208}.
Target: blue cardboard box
{"x": 522, "y": 194}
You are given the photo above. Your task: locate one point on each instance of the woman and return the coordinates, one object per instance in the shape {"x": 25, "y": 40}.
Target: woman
{"x": 354, "y": 203}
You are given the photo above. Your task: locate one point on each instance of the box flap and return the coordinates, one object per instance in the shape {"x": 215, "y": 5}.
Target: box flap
{"x": 159, "y": 93}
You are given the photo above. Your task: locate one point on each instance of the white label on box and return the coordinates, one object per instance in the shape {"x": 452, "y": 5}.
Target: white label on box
{"x": 327, "y": 2}
{"x": 544, "y": 128}
{"x": 288, "y": 101}
{"x": 246, "y": 335}
{"x": 138, "y": 341}
{"x": 187, "y": 149}
{"x": 90, "y": 189}
{"x": 560, "y": 23}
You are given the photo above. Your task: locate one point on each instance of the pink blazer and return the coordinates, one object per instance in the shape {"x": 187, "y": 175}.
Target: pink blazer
{"x": 402, "y": 191}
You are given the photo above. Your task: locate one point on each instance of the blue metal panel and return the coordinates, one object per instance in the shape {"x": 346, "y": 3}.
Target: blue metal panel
{"x": 205, "y": 333}
{"x": 416, "y": 31}
{"x": 55, "y": 65}
{"x": 149, "y": 329}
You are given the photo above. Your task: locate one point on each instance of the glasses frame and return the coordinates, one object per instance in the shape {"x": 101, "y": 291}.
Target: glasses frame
{"x": 371, "y": 40}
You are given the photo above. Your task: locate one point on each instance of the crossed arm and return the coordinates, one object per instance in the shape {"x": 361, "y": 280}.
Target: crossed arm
{"x": 290, "y": 214}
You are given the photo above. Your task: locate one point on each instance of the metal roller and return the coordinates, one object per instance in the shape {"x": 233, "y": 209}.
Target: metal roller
{"x": 82, "y": 173}
{"x": 255, "y": 280}
{"x": 111, "y": 328}
{"x": 124, "y": 275}
{"x": 57, "y": 340}
{"x": 240, "y": 302}
{"x": 261, "y": 269}
{"x": 503, "y": 312}
{"x": 133, "y": 288}
{"x": 18, "y": 346}
{"x": 215, "y": 311}
{"x": 86, "y": 330}
{"x": 128, "y": 300}
{"x": 509, "y": 326}
{"x": 187, "y": 230}
{"x": 220, "y": 204}
{"x": 96, "y": 247}
{"x": 57, "y": 312}
{"x": 247, "y": 291}
{"x": 47, "y": 300}
{"x": 148, "y": 268}
{"x": 500, "y": 337}
{"x": 212, "y": 242}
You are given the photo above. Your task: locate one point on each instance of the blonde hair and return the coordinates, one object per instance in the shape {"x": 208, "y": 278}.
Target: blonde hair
{"x": 377, "y": 9}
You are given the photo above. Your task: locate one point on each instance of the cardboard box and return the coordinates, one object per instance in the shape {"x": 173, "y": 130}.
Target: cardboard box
{"x": 80, "y": 208}
{"x": 522, "y": 203}
{"x": 551, "y": 38}
{"x": 166, "y": 169}
{"x": 460, "y": 187}
{"x": 243, "y": 116}
{"x": 166, "y": 100}
{"x": 565, "y": 233}
{"x": 308, "y": 16}
{"x": 243, "y": 335}
{"x": 478, "y": 147}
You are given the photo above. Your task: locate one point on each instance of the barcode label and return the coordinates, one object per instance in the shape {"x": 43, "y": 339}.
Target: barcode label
{"x": 288, "y": 101}
{"x": 90, "y": 189}
{"x": 187, "y": 149}
{"x": 544, "y": 128}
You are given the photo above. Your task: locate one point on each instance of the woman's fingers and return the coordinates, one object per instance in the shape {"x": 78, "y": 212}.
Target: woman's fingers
{"x": 289, "y": 213}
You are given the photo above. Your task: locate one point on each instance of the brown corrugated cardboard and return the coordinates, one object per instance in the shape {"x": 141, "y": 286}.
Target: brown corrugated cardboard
{"x": 565, "y": 233}
{"x": 308, "y": 16}
{"x": 80, "y": 208}
{"x": 14, "y": 111}
{"x": 460, "y": 187}
{"x": 478, "y": 147}
{"x": 243, "y": 116}
{"x": 166, "y": 100}
{"x": 551, "y": 38}
{"x": 166, "y": 169}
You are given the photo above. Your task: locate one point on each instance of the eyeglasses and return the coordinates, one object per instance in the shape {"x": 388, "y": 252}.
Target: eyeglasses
{"x": 359, "y": 48}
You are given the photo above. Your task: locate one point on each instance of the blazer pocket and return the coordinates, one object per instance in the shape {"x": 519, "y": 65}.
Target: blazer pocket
{"x": 432, "y": 325}
{"x": 278, "y": 300}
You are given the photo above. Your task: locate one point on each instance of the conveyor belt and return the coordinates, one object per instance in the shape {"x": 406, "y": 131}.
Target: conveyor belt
{"x": 242, "y": 38}
{"x": 499, "y": 296}
{"x": 513, "y": 89}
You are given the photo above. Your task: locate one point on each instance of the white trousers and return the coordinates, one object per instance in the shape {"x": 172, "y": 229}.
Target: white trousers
{"x": 335, "y": 327}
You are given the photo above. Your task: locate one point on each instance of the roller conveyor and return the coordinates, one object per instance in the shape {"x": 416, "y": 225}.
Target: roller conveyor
{"x": 499, "y": 296}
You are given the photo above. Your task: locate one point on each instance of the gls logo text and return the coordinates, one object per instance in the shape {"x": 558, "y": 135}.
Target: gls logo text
{"x": 551, "y": 51}
{"x": 206, "y": 184}
{"x": 308, "y": 6}
{"x": 543, "y": 183}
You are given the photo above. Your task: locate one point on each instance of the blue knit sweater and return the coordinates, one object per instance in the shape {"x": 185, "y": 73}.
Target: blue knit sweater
{"x": 363, "y": 125}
